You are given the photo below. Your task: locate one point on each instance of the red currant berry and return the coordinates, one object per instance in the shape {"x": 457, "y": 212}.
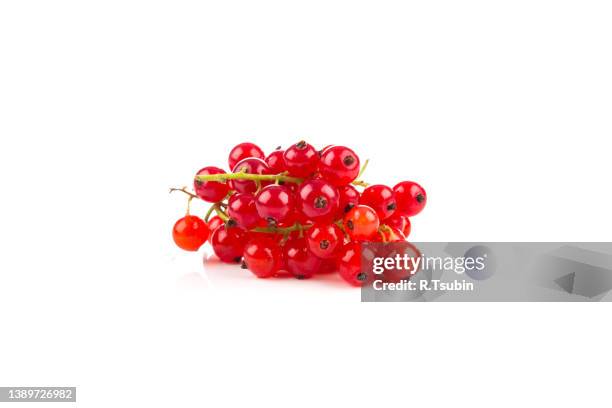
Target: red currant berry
{"x": 242, "y": 211}
{"x": 411, "y": 198}
{"x": 349, "y": 198}
{"x": 301, "y": 159}
{"x": 274, "y": 203}
{"x": 339, "y": 165}
{"x": 324, "y": 240}
{"x": 381, "y": 199}
{"x": 228, "y": 243}
{"x": 243, "y": 151}
{"x": 349, "y": 264}
{"x": 211, "y": 191}
{"x": 276, "y": 162}
{"x": 190, "y": 232}
{"x": 251, "y": 166}
{"x": 400, "y": 222}
{"x": 300, "y": 261}
{"x": 317, "y": 199}
{"x": 361, "y": 223}
{"x": 214, "y": 223}
{"x": 262, "y": 256}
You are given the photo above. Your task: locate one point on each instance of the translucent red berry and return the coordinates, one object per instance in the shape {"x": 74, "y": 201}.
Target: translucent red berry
{"x": 211, "y": 191}
{"x": 250, "y": 166}
{"x": 401, "y": 222}
{"x": 411, "y": 198}
{"x": 299, "y": 260}
{"x": 301, "y": 159}
{"x": 339, "y": 165}
{"x": 349, "y": 198}
{"x": 381, "y": 199}
{"x": 349, "y": 264}
{"x": 228, "y": 243}
{"x": 274, "y": 204}
{"x": 262, "y": 256}
{"x": 242, "y": 210}
{"x": 324, "y": 240}
{"x": 214, "y": 223}
{"x": 361, "y": 223}
{"x": 190, "y": 232}
{"x": 318, "y": 199}
{"x": 276, "y": 162}
{"x": 243, "y": 151}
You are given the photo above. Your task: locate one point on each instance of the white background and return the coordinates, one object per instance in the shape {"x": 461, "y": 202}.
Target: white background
{"x": 500, "y": 109}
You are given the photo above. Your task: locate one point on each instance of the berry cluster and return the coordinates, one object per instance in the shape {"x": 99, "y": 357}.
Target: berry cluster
{"x": 296, "y": 211}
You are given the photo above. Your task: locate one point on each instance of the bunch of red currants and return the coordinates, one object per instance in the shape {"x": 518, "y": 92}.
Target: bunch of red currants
{"x": 296, "y": 211}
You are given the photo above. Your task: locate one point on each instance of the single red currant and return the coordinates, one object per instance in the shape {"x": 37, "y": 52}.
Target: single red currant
{"x": 243, "y": 151}
{"x": 361, "y": 223}
{"x": 299, "y": 260}
{"x": 324, "y": 240}
{"x": 381, "y": 199}
{"x": 190, "y": 232}
{"x": 251, "y": 166}
{"x": 214, "y": 223}
{"x": 276, "y": 162}
{"x": 301, "y": 159}
{"x": 211, "y": 191}
{"x": 339, "y": 165}
{"x": 228, "y": 243}
{"x": 349, "y": 264}
{"x": 411, "y": 198}
{"x": 242, "y": 210}
{"x": 274, "y": 203}
{"x": 262, "y": 256}
{"x": 317, "y": 199}
{"x": 349, "y": 198}
{"x": 401, "y": 222}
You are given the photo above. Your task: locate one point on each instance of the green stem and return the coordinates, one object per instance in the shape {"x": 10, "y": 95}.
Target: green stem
{"x": 282, "y": 230}
{"x": 183, "y": 190}
{"x": 358, "y": 182}
{"x": 247, "y": 176}
{"x": 363, "y": 168}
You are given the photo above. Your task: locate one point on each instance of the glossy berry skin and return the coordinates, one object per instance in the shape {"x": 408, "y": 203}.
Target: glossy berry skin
{"x": 318, "y": 199}
{"x": 301, "y": 159}
{"x": 214, "y": 223}
{"x": 228, "y": 243}
{"x": 411, "y": 198}
{"x": 339, "y": 165}
{"x": 190, "y": 233}
{"x": 276, "y": 162}
{"x": 401, "y": 222}
{"x": 361, "y": 223}
{"x": 252, "y": 166}
{"x": 274, "y": 204}
{"x": 349, "y": 264}
{"x": 211, "y": 191}
{"x": 243, "y": 151}
{"x": 324, "y": 240}
{"x": 329, "y": 265}
{"x": 381, "y": 199}
{"x": 262, "y": 256}
{"x": 349, "y": 198}
{"x": 299, "y": 260}
{"x": 242, "y": 210}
